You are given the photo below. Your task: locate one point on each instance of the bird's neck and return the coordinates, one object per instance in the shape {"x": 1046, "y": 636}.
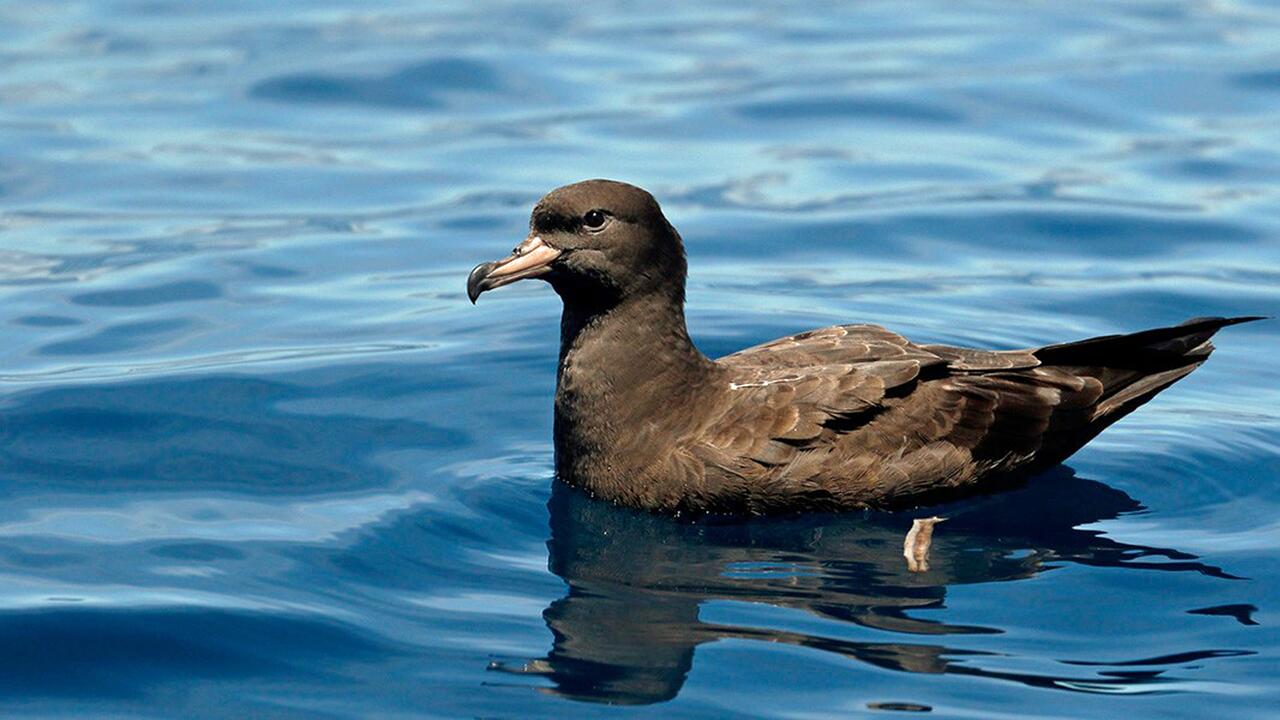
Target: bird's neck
{"x": 622, "y": 368}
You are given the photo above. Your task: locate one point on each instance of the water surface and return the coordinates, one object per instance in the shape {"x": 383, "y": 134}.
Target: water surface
{"x": 260, "y": 458}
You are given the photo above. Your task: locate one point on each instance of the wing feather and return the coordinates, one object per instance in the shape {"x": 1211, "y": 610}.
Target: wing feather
{"x": 860, "y": 415}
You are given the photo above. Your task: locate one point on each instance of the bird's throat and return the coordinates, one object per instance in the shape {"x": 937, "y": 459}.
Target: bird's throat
{"x": 621, "y": 368}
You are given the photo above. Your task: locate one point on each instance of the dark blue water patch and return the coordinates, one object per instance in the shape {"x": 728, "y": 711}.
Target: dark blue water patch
{"x": 121, "y": 337}
{"x": 47, "y": 321}
{"x": 216, "y": 433}
{"x": 270, "y": 272}
{"x": 145, "y": 296}
{"x": 17, "y": 558}
{"x": 422, "y": 86}
{"x": 848, "y": 108}
{"x": 1251, "y": 170}
{"x": 122, "y": 654}
{"x": 1262, "y": 80}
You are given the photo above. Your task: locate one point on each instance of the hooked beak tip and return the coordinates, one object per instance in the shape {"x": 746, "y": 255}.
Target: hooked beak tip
{"x": 476, "y": 281}
{"x": 532, "y": 258}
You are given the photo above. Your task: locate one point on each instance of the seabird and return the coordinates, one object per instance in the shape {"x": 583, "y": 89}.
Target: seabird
{"x": 839, "y": 418}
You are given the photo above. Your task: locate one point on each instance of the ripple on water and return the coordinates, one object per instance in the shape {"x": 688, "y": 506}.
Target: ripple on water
{"x": 421, "y": 86}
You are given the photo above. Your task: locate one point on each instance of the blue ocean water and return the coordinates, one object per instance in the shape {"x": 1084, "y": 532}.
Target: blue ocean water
{"x": 259, "y": 457}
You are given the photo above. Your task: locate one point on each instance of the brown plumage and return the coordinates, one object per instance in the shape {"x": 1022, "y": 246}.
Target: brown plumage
{"x": 845, "y": 417}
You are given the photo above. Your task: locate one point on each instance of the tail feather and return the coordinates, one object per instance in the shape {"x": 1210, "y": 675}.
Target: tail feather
{"x": 1166, "y": 343}
{"x": 1133, "y": 368}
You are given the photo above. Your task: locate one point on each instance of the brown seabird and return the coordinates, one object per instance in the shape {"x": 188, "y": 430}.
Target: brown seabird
{"x": 841, "y": 418}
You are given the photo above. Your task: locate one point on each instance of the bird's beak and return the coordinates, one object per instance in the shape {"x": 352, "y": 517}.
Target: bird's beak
{"x": 531, "y": 258}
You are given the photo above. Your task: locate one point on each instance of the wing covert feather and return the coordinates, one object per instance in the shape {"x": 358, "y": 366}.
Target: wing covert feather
{"x": 859, "y": 414}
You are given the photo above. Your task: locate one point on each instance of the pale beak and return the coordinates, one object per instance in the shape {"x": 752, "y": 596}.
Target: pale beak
{"x": 531, "y": 258}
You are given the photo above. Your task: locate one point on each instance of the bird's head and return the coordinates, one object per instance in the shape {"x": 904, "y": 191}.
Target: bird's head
{"x": 598, "y": 242}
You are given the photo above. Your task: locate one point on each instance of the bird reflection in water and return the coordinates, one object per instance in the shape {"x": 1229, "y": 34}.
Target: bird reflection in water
{"x": 627, "y": 629}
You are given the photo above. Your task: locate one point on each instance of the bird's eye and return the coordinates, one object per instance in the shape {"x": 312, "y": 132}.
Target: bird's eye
{"x": 594, "y": 219}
